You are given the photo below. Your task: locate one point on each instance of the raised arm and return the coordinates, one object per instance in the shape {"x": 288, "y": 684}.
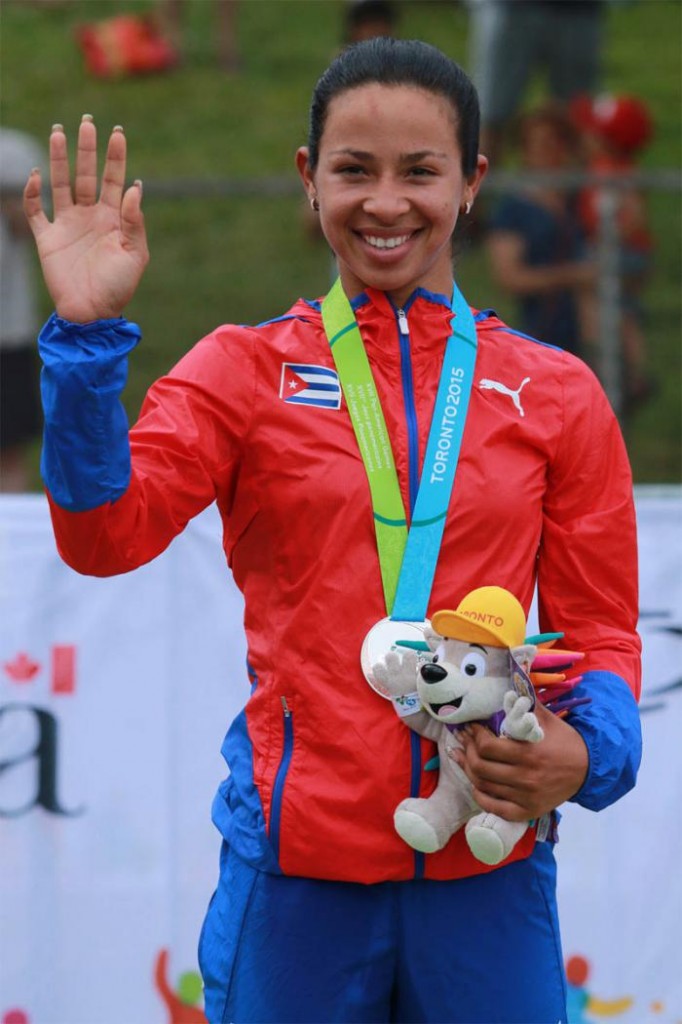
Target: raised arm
{"x": 94, "y": 251}
{"x": 511, "y": 270}
{"x": 118, "y": 499}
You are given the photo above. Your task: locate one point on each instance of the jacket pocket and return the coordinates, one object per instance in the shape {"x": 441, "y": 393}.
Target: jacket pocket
{"x": 281, "y": 776}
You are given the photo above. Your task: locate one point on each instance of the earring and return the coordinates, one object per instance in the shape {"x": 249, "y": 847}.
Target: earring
{"x": 467, "y": 208}
{"x": 314, "y": 204}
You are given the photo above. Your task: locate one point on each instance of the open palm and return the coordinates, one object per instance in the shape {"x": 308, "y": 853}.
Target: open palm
{"x": 94, "y": 251}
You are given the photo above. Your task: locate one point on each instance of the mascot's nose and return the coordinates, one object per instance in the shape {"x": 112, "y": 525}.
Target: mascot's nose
{"x": 432, "y": 673}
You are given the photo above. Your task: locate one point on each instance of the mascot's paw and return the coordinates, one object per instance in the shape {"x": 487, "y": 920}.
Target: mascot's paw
{"x": 520, "y": 723}
{"x": 397, "y": 673}
{"x": 485, "y": 844}
{"x": 416, "y": 832}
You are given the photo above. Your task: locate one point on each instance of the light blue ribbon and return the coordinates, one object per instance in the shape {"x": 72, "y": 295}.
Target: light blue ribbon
{"x": 440, "y": 466}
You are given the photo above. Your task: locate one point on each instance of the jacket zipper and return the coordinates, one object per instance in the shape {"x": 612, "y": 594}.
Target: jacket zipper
{"x": 413, "y": 486}
{"x": 410, "y": 413}
{"x": 281, "y": 777}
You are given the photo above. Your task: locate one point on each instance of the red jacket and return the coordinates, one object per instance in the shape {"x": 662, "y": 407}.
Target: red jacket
{"x": 542, "y": 494}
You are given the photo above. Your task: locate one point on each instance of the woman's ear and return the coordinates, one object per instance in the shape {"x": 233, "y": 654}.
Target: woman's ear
{"x": 305, "y": 173}
{"x": 475, "y": 180}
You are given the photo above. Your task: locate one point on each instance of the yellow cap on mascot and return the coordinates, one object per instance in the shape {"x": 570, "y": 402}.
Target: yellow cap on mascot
{"x": 489, "y": 615}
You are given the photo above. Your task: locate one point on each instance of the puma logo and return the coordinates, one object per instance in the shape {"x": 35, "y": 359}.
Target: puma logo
{"x": 495, "y": 385}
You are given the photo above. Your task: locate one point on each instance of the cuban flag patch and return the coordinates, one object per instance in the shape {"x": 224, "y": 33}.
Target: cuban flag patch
{"x": 303, "y": 384}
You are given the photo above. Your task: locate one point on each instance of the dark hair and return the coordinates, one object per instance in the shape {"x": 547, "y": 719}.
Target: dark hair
{"x": 389, "y": 61}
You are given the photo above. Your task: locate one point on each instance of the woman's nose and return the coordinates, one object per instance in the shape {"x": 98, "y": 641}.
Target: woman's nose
{"x": 386, "y": 202}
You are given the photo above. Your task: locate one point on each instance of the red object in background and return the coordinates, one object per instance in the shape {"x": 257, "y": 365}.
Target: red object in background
{"x": 15, "y": 1017}
{"x": 577, "y": 970}
{"x": 63, "y": 668}
{"x": 22, "y": 669}
{"x": 125, "y": 45}
{"x": 624, "y": 122}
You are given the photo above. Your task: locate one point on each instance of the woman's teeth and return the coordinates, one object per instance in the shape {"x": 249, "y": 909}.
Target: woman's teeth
{"x": 385, "y": 243}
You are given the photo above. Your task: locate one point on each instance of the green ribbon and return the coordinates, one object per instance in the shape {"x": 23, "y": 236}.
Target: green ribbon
{"x": 370, "y": 429}
{"x": 407, "y": 560}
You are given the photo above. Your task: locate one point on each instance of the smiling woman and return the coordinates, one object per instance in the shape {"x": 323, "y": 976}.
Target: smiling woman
{"x": 391, "y": 161}
{"x": 372, "y": 462}
{"x": 389, "y": 186}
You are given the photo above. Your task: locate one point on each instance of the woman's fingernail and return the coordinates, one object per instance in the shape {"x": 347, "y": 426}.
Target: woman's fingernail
{"x": 87, "y": 117}
{"x": 34, "y": 170}
{"x": 138, "y": 182}
{"x": 117, "y": 128}
{"x": 57, "y": 127}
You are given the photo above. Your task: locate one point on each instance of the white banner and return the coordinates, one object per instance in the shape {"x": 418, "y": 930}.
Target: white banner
{"x": 620, "y": 883}
{"x": 114, "y": 698}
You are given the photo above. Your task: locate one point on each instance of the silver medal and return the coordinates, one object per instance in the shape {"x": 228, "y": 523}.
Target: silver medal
{"x": 391, "y": 635}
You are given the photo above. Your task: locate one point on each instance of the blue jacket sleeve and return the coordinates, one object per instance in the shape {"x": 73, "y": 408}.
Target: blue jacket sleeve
{"x": 85, "y": 460}
{"x": 610, "y": 727}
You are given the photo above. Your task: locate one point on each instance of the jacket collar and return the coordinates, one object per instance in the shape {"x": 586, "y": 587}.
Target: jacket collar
{"x": 384, "y": 303}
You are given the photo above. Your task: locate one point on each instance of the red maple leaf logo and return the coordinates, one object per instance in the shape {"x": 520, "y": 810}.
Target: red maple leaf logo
{"x": 22, "y": 669}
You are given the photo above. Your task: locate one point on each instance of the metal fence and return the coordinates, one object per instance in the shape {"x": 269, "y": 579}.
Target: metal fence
{"x": 609, "y": 189}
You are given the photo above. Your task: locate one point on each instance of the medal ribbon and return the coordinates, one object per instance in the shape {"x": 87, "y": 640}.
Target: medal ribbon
{"x": 407, "y": 559}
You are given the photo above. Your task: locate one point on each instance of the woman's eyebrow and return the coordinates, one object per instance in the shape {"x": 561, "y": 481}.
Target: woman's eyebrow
{"x": 405, "y": 158}
{"x": 357, "y": 154}
{"x": 421, "y": 154}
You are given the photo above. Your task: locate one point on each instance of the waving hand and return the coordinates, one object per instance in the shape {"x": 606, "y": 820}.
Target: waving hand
{"x": 94, "y": 251}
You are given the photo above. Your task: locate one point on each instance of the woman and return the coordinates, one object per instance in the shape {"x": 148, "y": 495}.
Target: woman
{"x": 322, "y": 913}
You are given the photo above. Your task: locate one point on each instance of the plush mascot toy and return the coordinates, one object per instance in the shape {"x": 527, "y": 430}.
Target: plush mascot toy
{"x": 478, "y": 670}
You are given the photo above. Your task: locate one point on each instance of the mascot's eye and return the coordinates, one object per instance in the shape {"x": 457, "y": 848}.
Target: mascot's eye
{"x": 473, "y": 664}
{"x": 434, "y": 659}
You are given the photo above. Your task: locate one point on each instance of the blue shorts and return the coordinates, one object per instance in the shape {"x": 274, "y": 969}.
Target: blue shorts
{"x": 472, "y": 951}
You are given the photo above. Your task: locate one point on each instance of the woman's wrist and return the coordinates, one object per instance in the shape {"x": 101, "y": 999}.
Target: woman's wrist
{"x": 82, "y": 317}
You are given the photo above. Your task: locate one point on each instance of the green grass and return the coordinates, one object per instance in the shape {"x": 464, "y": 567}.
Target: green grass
{"x": 244, "y": 259}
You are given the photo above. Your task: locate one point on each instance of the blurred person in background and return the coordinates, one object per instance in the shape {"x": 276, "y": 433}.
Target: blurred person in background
{"x": 322, "y": 912}
{"x": 535, "y": 243}
{"x": 510, "y": 40}
{"x": 173, "y": 14}
{"x": 615, "y": 131}
{"x": 367, "y": 19}
{"x": 20, "y": 415}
